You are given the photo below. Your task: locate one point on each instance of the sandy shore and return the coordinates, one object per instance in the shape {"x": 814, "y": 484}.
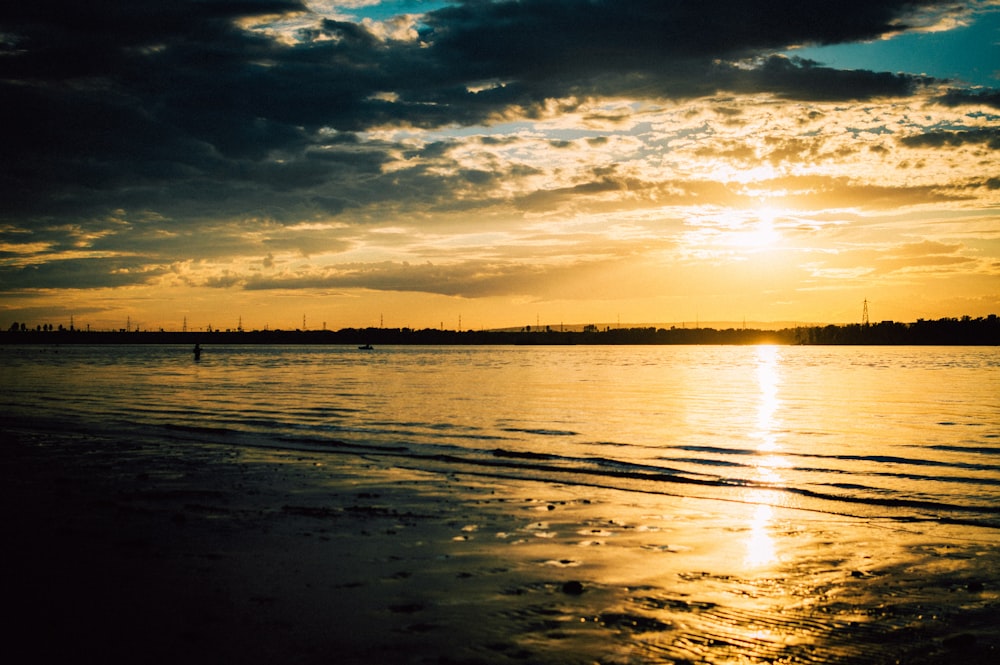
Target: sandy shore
{"x": 171, "y": 552}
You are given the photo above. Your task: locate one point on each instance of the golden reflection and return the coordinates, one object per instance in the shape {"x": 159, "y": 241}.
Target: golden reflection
{"x": 760, "y": 546}
{"x": 767, "y": 380}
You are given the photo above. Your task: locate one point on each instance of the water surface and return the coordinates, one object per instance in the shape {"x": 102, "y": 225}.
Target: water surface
{"x": 893, "y": 433}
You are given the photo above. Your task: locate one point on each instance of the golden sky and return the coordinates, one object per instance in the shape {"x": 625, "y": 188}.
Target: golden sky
{"x": 496, "y": 163}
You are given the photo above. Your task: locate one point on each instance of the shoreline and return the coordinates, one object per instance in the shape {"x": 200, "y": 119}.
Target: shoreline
{"x": 171, "y": 551}
{"x": 981, "y": 331}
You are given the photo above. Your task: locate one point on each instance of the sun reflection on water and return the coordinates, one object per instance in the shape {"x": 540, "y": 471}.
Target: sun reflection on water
{"x": 767, "y": 380}
{"x": 760, "y": 545}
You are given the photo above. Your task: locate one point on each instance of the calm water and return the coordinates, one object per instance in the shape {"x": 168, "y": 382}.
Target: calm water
{"x": 895, "y": 433}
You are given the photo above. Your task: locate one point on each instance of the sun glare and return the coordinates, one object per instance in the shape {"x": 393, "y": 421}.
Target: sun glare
{"x": 748, "y": 230}
{"x": 760, "y": 545}
{"x": 761, "y": 234}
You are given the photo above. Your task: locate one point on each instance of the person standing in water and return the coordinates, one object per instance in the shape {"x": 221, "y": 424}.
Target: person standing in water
{"x": 197, "y": 351}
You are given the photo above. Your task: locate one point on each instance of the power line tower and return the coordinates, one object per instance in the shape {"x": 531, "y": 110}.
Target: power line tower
{"x": 864, "y": 315}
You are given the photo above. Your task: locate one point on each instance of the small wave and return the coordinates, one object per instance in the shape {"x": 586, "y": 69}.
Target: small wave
{"x": 894, "y": 502}
{"x": 620, "y": 475}
{"x": 878, "y": 459}
{"x": 515, "y": 454}
{"x": 342, "y": 446}
{"x": 849, "y": 486}
{"x": 598, "y": 472}
{"x": 325, "y": 411}
{"x": 978, "y": 450}
{"x": 911, "y": 461}
{"x": 707, "y": 462}
{"x": 199, "y": 429}
{"x": 540, "y": 431}
{"x": 717, "y": 449}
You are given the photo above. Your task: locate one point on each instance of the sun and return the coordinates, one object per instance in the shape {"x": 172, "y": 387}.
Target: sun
{"x": 757, "y": 230}
{"x": 737, "y": 231}
{"x": 765, "y": 234}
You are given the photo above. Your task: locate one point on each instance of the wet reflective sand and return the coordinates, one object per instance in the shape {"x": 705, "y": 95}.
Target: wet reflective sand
{"x": 165, "y": 551}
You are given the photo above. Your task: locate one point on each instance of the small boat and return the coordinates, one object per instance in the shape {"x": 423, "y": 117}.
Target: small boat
{"x": 366, "y": 347}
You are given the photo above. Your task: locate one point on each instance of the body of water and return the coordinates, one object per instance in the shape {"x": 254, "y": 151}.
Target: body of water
{"x": 882, "y": 433}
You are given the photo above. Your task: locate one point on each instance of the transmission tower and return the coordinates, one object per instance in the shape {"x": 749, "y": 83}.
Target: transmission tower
{"x": 864, "y": 314}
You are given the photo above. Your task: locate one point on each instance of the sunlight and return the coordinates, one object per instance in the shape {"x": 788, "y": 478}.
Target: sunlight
{"x": 761, "y": 234}
{"x": 740, "y": 230}
{"x": 760, "y": 545}
{"x": 767, "y": 379}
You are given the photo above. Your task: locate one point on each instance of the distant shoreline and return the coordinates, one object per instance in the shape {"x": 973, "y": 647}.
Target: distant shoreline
{"x": 966, "y": 331}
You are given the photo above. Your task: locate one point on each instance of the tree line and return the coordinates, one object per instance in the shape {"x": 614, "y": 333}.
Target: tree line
{"x": 947, "y": 331}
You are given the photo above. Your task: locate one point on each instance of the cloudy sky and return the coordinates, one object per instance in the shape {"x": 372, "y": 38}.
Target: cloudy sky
{"x": 507, "y": 162}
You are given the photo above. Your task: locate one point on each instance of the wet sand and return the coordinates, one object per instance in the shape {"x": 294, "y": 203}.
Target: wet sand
{"x": 173, "y": 551}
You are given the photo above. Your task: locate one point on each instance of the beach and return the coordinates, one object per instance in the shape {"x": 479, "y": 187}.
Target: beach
{"x": 179, "y": 551}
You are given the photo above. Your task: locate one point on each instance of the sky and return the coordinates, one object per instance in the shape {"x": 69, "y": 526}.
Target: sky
{"x": 478, "y": 164}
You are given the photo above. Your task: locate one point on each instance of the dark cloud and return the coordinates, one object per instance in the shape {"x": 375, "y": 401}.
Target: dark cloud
{"x": 80, "y": 274}
{"x": 176, "y": 107}
{"x": 116, "y": 92}
{"x": 988, "y": 97}
{"x": 986, "y": 136}
{"x": 806, "y": 80}
{"x": 465, "y": 279}
{"x": 567, "y": 38}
